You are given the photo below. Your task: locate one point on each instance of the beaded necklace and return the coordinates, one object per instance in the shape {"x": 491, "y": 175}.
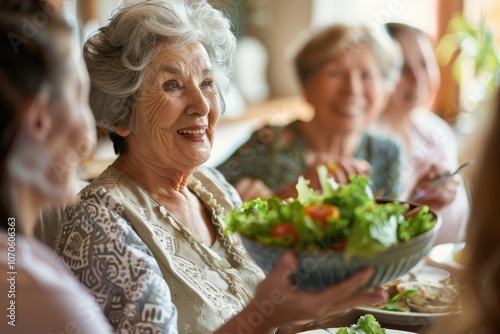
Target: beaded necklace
{"x": 213, "y": 260}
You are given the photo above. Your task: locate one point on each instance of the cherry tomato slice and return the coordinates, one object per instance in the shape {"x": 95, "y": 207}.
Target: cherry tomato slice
{"x": 339, "y": 245}
{"x": 285, "y": 231}
{"x": 322, "y": 212}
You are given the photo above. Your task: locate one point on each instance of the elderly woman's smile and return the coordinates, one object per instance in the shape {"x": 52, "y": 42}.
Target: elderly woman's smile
{"x": 193, "y": 134}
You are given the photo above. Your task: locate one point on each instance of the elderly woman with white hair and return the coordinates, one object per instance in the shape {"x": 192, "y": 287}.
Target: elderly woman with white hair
{"x": 346, "y": 74}
{"x": 146, "y": 237}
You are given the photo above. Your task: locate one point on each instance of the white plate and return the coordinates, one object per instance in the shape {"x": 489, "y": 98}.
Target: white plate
{"x": 404, "y": 318}
{"x": 334, "y": 330}
{"x": 423, "y": 273}
{"x": 443, "y": 255}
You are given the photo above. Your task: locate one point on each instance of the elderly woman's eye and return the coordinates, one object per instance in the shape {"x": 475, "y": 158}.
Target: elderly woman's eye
{"x": 208, "y": 83}
{"x": 171, "y": 85}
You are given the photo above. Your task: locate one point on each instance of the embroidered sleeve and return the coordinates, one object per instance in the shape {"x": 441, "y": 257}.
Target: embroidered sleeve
{"x": 98, "y": 244}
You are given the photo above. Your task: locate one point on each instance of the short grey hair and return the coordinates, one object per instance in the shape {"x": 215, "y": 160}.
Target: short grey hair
{"x": 118, "y": 55}
{"x": 328, "y": 42}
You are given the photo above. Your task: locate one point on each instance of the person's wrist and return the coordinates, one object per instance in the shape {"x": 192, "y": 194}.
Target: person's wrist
{"x": 253, "y": 319}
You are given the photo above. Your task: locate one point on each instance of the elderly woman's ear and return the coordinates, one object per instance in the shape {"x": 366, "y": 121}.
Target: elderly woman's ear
{"x": 123, "y": 132}
{"x": 37, "y": 120}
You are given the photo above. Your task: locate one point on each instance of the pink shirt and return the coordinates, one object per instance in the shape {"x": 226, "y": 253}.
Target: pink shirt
{"x": 39, "y": 296}
{"x": 432, "y": 141}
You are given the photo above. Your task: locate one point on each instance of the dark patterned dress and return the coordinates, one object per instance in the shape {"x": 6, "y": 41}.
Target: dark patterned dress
{"x": 276, "y": 156}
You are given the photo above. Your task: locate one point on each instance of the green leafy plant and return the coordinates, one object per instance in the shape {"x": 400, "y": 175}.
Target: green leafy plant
{"x": 473, "y": 46}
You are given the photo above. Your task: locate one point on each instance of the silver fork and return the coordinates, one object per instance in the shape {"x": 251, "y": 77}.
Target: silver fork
{"x": 320, "y": 326}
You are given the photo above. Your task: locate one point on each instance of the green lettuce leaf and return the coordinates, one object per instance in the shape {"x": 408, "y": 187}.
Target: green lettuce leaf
{"x": 374, "y": 229}
{"x": 367, "y": 324}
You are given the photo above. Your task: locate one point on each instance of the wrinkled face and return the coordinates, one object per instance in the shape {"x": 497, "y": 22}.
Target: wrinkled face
{"x": 177, "y": 109}
{"x": 420, "y": 72}
{"x": 347, "y": 92}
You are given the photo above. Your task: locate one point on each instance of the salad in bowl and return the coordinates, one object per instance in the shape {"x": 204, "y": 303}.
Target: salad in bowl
{"x": 335, "y": 232}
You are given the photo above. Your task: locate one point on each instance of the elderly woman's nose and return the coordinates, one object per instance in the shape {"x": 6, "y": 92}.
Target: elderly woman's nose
{"x": 352, "y": 84}
{"x": 198, "y": 103}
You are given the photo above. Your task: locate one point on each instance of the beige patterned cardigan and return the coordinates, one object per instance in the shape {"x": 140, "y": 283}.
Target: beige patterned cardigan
{"x": 138, "y": 261}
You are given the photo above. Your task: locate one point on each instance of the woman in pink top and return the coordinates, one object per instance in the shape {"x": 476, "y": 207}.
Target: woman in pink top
{"x": 429, "y": 143}
{"x": 46, "y": 130}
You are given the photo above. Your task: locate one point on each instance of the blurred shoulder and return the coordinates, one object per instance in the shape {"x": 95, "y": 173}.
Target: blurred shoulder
{"x": 432, "y": 125}
{"x": 434, "y": 134}
{"x": 48, "y": 295}
{"x": 279, "y": 136}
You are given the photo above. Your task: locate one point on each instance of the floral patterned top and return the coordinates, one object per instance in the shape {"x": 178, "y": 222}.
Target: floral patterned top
{"x": 277, "y": 157}
{"x": 149, "y": 272}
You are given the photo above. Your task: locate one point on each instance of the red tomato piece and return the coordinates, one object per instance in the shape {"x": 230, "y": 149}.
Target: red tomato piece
{"x": 284, "y": 231}
{"x": 322, "y": 212}
{"x": 339, "y": 245}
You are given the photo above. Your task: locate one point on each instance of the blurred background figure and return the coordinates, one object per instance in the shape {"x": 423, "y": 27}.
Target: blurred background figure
{"x": 481, "y": 256}
{"x": 46, "y": 130}
{"x": 430, "y": 146}
{"x": 346, "y": 73}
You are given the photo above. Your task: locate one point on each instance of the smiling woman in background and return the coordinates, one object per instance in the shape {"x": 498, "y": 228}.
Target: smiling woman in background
{"x": 46, "y": 130}
{"x": 346, "y": 73}
{"x": 146, "y": 237}
{"x": 429, "y": 143}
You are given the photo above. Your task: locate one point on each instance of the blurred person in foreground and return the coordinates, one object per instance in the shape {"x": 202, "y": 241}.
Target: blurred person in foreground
{"x": 481, "y": 256}
{"x": 46, "y": 130}
{"x": 429, "y": 144}
{"x": 147, "y": 236}
{"x": 346, "y": 73}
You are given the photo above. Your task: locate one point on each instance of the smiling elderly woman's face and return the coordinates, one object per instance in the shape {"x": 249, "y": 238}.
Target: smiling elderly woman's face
{"x": 347, "y": 92}
{"x": 178, "y": 107}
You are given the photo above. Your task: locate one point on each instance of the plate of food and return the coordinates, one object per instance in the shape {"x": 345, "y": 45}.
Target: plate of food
{"x": 336, "y": 331}
{"x": 405, "y": 318}
{"x": 448, "y": 256}
{"x": 366, "y": 324}
{"x": 413, "y": 302}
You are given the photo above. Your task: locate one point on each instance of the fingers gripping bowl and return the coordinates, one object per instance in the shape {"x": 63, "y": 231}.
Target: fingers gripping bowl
{"x": 336, "y": 233}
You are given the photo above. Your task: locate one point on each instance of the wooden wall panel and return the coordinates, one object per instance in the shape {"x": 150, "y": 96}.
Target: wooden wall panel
{"x": 446, "y": 103}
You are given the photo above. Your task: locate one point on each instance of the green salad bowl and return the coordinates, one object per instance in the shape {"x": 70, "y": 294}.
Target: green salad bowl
{"x": 319, "y": 269}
